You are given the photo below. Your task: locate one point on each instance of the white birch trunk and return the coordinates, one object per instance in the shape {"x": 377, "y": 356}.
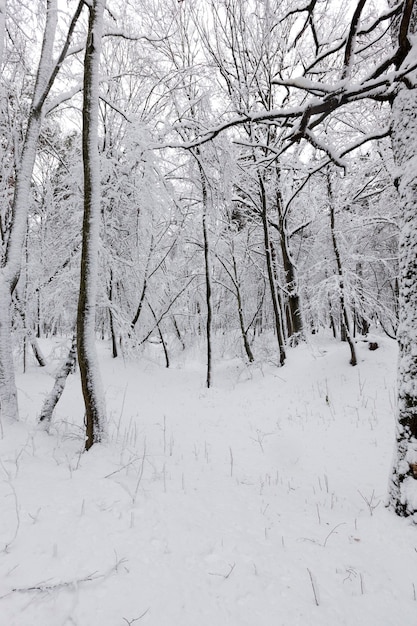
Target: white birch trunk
{"x": 53, "y": 397}
{"x": 11, "y": 266}
{"x": 87, "y": 355}
{"x": 3, "y": 7}
{"x": 8, "y": 392}
{"x": 403, "y": 487}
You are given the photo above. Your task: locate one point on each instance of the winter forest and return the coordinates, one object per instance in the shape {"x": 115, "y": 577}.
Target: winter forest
{"x": 208, "y": 312}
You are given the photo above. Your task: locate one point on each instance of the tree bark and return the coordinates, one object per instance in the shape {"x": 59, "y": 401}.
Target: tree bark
{"x": 403, "y": 484}
{"x": 95, "y": 417}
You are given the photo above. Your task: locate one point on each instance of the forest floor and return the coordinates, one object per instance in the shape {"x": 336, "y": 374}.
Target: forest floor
{"x": 259, "y": 502}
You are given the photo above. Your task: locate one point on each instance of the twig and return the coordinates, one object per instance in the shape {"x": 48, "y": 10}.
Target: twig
{"x": 136, "y": 619}
{"x": 121, "y": 411}
{"x": 315, "y": 590}
{"x": 124, "y": 466}
{"x": 331, "y": 533}
{"x": 16, "y": 505}
{"x": 370, "y": 502}
{"x": 225, "y": 576}
{"x": 44, "y": 587}
{"x": 139, "y": 480}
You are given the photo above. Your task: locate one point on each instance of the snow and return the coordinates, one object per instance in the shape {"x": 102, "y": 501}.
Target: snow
{"x": 259, "y": 502}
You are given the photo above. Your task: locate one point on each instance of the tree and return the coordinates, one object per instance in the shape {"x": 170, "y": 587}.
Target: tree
{"x": 366, "y": 233}
{"x": 404, "y": 142}
{"x": 346, "y": 325}
{"x": 10, "y": 268}
{"x": 336, "y": 75}
{"x": 95, "y": 418}
{"x": 247, "y": 56}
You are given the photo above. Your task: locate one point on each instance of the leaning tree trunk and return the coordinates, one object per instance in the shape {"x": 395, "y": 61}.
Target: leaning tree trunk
{"x": 86, "y": 317}
{"x": 243, "y": 329}
{"x": 53, "y": 397}
{"x": 403, "y": 486}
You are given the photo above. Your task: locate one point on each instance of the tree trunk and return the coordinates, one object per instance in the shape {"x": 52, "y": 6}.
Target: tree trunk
{"x": 52, "y": 398}
{"x": 204, "y": 196}
{"x": 8, "y": 391}
{"x": 29, "y": 335}
{"x": 178, "y": 332}
{"x": 345, "y": 326}
{"x": 12, "y": 261}
{"x": 86, "y": 317}
{"x": 111, "y": 318}
{"x": 2, "y": 29}
{"x": 243, "y": 330}
{"x": 161, "y": 337}
{"x": 144, "y": 287}
{"x": 295, "y": 322}
{"x": 271, "y": 277}
{"x": 403, "y": 485}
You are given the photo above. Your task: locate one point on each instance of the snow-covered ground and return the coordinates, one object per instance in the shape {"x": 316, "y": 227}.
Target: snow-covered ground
{"x": 259, "y": 502}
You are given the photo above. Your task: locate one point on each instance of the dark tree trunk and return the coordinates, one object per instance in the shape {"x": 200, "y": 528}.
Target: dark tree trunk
{"x": 161, "y": 337}
{"x": 111, "y": 318}
{"x": 206, "y": 245}
{"x": 271, "y": 277}
{"x": 177, "y": 332}
{"x": 87, "y": 355}
{"x": 144, "y": 289}
{"x": 295, "y": 321}
{"x": 345, "y": 326}
{"x": 243, "y": 330}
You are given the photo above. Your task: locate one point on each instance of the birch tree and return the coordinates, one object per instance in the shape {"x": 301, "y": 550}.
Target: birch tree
{"x": 11, "y": 261}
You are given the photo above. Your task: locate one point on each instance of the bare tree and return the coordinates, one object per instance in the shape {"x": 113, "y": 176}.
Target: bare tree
{"x": 351, "y": 80}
